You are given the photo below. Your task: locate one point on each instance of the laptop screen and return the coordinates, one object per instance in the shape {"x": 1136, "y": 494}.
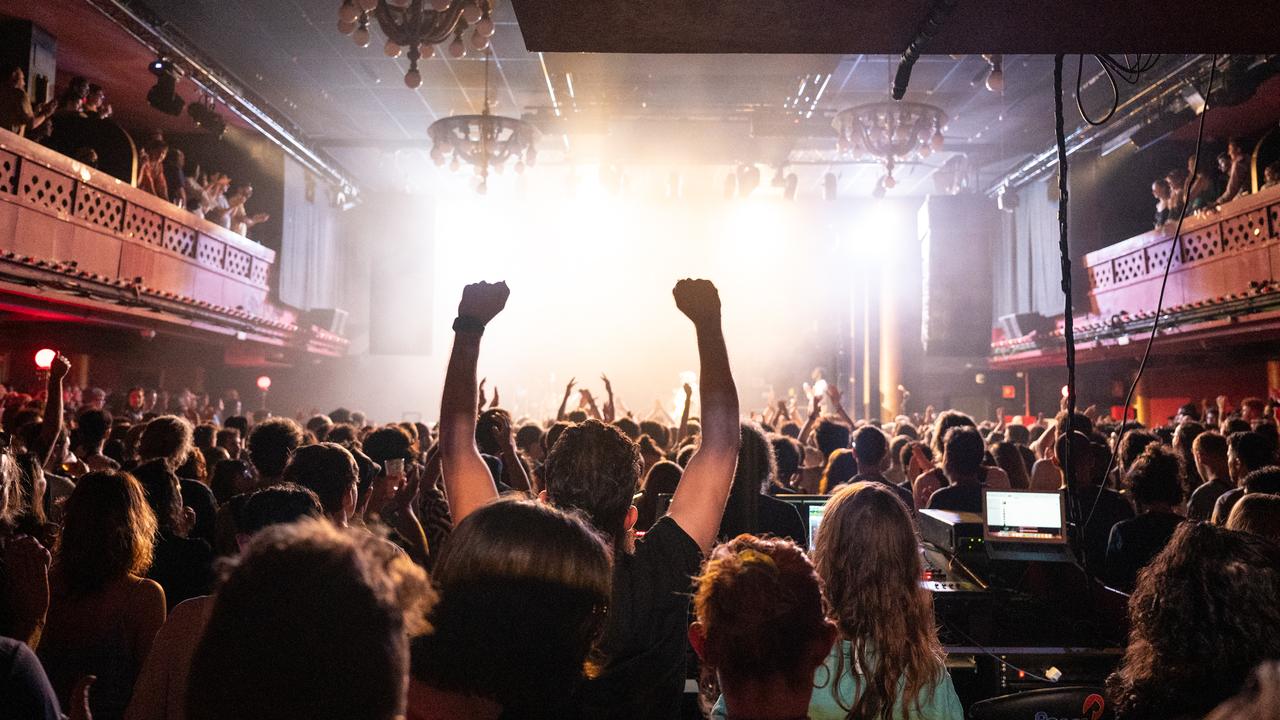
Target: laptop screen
{"x": 810, "y": 508}
{"x": 1023, "y": 515}
{"x": 814, "y": 519}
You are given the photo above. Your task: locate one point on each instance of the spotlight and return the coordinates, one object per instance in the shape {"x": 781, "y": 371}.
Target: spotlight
{"x": 207, "y": 117}
{"x": 264, "y": 383}
{"x": 779, "y": 178}
{"x": 748, "y": 179}
{"x": 829, "y": 185}
{"x": 790, "y": 183}
{"x": 45, "y": 358}
{"x": 164, "y": 95}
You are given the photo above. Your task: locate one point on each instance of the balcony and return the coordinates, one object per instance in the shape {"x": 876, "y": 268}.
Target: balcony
{"x": 79, "y": 242}
{"x": 1223, "y": 282}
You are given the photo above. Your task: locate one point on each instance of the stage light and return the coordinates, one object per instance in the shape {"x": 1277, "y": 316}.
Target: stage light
{"x": 1065, "y": 390}
{"x": 748, "y": 179}
{"x": 164, "y": 95}
{"x": 790, "y": 185}
{"x": 264, "y": 383}
{"x": 45, "y": 358}
{"x": 206, "y": 117}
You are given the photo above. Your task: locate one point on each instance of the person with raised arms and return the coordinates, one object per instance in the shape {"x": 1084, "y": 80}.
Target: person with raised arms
{"x": 594, "y": 469}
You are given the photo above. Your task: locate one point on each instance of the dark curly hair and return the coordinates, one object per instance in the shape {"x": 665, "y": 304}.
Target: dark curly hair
{"x": 1156, "y": 476}
{"x": 594, "y": 468}
{"x": 1204, "y": 614}
{"x": 271, "y": 443}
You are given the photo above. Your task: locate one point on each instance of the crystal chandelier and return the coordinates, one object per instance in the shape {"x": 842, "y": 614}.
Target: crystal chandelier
{"x": 890, "y": 132}
{"x": 419, "y": 25}
{"x": 484, "y": 141}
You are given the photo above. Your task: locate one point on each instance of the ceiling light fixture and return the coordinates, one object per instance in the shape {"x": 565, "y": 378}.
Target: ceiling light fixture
{"x": 890, "y": 132}
{"x": 483, "y": 141}
{"x": 420, "y": 25}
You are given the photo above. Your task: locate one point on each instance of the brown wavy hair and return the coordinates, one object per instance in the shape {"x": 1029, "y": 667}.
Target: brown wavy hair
{"x": 108, "y": 532}
{"x": 867, "y": 556}
{"x": 1203, "y": 615}
{"x": 760, "y": 604}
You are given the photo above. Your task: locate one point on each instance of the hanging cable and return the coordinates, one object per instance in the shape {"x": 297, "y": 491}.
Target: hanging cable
{"x": 1168, "y": 263}
{"x": 939, "y": 12}
{"x": 1128, "y": 70}
{"x": 1068, "y": 462}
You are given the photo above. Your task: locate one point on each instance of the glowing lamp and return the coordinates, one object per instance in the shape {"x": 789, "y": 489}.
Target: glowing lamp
{"x": 44, "y": 358}
{"x": 1065, "y": 390}
{"x": 264, "y": 383}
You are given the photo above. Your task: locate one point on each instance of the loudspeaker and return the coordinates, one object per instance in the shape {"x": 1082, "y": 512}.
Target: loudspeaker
{"x": 331, "y": 319}
{"x": 956, "y": 236}
{"x": 1020, "y": 324}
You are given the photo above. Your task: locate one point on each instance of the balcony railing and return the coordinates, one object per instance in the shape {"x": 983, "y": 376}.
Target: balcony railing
{"x": 1218, "y": 255}
{"x": 55, "y": 208}
{"x": 1223, "y": 278}
{"x": 89, "y": 238}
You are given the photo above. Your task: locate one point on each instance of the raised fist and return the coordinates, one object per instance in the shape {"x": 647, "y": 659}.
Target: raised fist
{"x": 698, "y": 300}
{"x": 482, "y": 301}
{"x": 60, "y": 367}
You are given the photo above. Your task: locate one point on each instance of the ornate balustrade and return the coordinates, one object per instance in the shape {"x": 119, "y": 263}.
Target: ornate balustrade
{"x": 71, "y": 235}
{"x": 1218, "y": 255}
{"x": 57, "y": 209}
{"x": 1224, "y": 280}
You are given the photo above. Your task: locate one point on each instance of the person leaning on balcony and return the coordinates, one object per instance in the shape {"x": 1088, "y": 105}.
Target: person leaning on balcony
{"x": 1238, "y": 174}
{"x": 17, "y": 114}
{"x": 233, "y": 215}
{"x": 151, "y": 168}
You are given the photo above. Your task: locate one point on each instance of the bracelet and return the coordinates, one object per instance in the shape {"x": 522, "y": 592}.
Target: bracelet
{"x": 464, "y": 324}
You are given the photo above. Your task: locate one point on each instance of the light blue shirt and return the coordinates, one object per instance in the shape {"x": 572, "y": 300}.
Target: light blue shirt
{"x": 935, "y": 702}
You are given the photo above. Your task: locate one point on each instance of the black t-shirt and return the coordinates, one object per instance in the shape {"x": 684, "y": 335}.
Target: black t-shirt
{"x": 646, "y": 634}
{"x": 958, "y": 497}
{"x": 1110, "y": 508}
{"x": 1204, "y": 498}
{"x": 781, "y": 519}
{"x": 1134, "y": 543}
{"x": 1226, "y": 501}
{"x": 25, "y": 691}
{"x": 197, "y": 496}
{"x": 903, "y": 493}
{"x": 183, "y": 567}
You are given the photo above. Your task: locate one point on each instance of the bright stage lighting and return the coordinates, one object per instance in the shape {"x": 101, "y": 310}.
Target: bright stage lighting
{"x": 264, "y": 383}
{"x": 875, "y": 232}
{"x": 44, "y": 358}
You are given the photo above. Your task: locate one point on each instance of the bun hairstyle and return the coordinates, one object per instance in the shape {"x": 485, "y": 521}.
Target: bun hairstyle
{"x": 760, "y": 604}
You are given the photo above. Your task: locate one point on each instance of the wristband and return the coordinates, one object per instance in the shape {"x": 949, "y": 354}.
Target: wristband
{"x": 464, "y": 324}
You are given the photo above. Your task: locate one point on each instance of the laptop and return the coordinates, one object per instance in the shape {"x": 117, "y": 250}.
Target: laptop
{"x": 811, "y": 508}
{"x": 1025, "y": 525}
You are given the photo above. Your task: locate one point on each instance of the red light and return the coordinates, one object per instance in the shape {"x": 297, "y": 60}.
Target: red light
{"x": 264, "y": 383}
{"x": 44, "y": 358}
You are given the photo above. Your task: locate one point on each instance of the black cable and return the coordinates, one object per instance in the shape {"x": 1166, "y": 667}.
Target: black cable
{"x": 932, "y": 23}
{"x": 1130, "y": 71}
{"x": 997, "y": 658}
{"x": 1067, "y": 312}
{"x": 1168, "y": 263}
